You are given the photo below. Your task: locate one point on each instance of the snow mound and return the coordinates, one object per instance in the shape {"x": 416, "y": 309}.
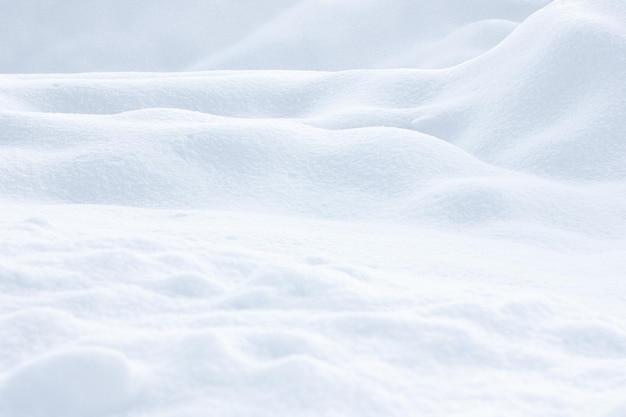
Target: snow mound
{"x": 215, "y": 163}
{"x": 550, "y": 95}
{"x": 87, "y": 382}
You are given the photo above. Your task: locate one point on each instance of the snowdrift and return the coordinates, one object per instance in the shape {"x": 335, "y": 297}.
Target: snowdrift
{"x": 535, "y": 111}
{"x": 358, "y": 243}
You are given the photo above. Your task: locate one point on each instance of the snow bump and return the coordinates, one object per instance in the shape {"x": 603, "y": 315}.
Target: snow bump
{"x": 83, "y": 382}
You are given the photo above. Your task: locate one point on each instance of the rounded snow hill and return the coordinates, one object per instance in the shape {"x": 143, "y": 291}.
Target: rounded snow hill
{"x": 83, "y": 382}
{"x": 551, "y": 95}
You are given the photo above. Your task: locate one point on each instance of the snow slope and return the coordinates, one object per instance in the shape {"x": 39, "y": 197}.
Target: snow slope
{"x": 373, "y": 242}
{"x": 164, "y": 35}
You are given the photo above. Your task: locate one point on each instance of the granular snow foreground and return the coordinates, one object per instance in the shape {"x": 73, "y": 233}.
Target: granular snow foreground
{"x": 360, "y": 243}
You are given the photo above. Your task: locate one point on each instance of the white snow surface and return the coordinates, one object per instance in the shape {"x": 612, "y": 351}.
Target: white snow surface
{"x": 169, "y": 35}
{"x": 370, "y": 242}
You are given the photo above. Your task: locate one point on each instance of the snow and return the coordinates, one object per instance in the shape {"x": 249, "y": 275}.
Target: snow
{"x": 70, "y": 383}
{"x": 163, "y": 35}
{"x": 444, "y": 239}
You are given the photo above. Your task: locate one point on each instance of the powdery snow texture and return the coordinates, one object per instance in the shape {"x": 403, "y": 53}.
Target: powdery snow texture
{"x": 398, "y": 242}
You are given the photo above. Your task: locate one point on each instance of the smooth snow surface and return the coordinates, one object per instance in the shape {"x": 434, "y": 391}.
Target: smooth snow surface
{"x": 373, "y": 242}
{"x": 169, "y": 35}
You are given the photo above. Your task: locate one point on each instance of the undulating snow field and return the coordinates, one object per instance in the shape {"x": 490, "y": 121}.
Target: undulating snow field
{"x": 439, "y": 229}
